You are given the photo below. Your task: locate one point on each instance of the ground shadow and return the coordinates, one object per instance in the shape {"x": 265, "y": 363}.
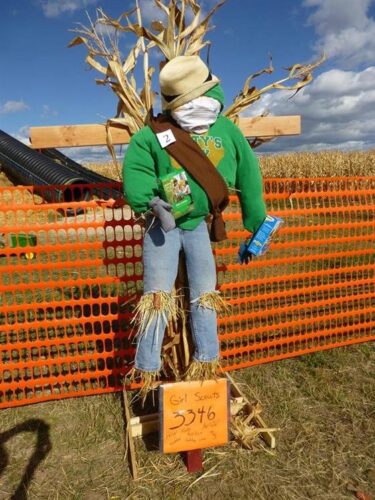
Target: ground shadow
{"x": 42, "y": 448}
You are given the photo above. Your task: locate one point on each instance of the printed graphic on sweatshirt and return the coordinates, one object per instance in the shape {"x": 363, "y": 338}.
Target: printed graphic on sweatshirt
{"x": 210, "y": 145}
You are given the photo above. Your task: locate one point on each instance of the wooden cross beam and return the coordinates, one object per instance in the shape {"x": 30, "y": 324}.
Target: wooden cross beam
{"x": 66, "y": 136}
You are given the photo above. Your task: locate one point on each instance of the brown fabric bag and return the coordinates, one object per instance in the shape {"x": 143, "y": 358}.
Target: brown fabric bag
{"x": 191, "y": 157}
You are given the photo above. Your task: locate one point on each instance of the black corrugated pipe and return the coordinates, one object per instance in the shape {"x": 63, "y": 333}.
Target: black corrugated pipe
{"x": 29, "y": 167}
{"x": 87, "y": 174}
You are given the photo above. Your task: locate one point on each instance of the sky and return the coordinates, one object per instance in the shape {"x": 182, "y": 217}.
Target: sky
{"x": 43, "y": 82}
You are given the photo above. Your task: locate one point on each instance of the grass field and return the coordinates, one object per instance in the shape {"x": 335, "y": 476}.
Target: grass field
{"x": 324, "y": 405}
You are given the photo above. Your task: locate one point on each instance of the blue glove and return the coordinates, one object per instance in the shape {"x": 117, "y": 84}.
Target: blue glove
{"x": 162, "y": 210}
{"x": 244, "y": 256}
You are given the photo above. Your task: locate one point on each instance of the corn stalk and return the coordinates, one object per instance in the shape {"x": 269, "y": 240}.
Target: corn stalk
{"x": 172, "y": 38}
{"x": 302, "y": 74}
{"x": 181, "y": 31}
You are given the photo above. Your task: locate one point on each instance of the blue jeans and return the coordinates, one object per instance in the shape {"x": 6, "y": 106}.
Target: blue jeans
{"x": 160, "y": 261}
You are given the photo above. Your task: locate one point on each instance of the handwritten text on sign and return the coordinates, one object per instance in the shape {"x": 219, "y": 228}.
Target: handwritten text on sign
{"x": 193, "y": 415}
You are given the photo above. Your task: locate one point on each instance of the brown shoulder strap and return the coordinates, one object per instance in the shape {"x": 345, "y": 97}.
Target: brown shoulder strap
{"x": 190, "y": 156}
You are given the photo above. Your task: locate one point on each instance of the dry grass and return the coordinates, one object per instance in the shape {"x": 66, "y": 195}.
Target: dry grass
{"x": 4, "y": 181}
{"x": 107, "y": 169}
{"x": 323, "y": 403}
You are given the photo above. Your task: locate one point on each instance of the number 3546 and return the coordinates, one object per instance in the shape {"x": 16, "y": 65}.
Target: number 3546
{"x": 188, "y": 417}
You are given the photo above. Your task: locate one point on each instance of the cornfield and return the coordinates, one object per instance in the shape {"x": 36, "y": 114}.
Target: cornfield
{"x": 318, "y": 164}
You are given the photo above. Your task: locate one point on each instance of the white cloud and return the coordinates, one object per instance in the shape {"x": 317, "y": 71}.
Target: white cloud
{"x": 23, "y": 135}
{"x": 345, "y": 30}
{"x": 337, "y": 110}
{"x": 337, "y": 82}
{"x": 336, "y": 15}
{"x": 54, "y": 8}
{"x": 48, "y": 111}
{"x": 13, "y": 107}
{"x": 290, "y": 145}
{"x": 93, "y": 154}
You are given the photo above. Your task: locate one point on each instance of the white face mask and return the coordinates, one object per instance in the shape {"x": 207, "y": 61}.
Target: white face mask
{"x": 197, "y": 115}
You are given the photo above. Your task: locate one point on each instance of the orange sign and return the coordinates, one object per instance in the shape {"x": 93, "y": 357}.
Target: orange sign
{"x": 193, "y": 415}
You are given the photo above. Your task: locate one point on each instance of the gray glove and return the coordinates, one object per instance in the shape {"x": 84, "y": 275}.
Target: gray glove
{"x": 162, "y": 210}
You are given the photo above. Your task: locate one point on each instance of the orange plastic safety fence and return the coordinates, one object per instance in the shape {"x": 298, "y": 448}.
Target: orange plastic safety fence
{"x": 71, "y": 274}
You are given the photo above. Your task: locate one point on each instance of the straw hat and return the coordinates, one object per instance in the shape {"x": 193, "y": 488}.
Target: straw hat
{"x": 184, "y": 78}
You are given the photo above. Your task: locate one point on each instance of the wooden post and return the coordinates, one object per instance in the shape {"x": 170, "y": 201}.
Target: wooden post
{"x": 193, "y": 460}
{"x": 130, "y": 449}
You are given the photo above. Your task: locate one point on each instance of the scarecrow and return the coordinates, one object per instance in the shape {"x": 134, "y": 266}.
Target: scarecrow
{"x": 193, "y": 136}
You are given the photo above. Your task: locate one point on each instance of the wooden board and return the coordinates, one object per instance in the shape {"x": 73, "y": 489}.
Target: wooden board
{"x": 64, "y": 136}
{"x": 267, "y": 436}
{"x": 270, "y": 126}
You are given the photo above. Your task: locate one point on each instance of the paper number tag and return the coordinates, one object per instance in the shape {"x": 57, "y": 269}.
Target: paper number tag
{"x": 193, "y": 415}
{"x": 166, "y": 138}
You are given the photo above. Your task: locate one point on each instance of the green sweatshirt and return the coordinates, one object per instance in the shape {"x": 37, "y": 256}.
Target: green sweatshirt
{"x": 145, "y": 161}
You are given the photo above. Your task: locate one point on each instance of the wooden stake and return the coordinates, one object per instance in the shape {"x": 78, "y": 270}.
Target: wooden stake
{"x": 193, "y": 460}
{"x": 129, "y": 438}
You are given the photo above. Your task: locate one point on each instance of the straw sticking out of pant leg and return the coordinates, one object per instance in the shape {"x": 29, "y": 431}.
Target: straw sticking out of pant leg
{"x": 213, "y": 300}
{"x": 150, "y": 383}
{"x": 203, "y": 370}
{"x": 157, "y": 305}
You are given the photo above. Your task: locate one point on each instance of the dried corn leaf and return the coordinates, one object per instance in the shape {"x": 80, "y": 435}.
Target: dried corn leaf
{"x": 194, "y": 6}
{"x": 176, "y": 37}
{"x": 169, "y": 37}
{"x": 193, "y": 25}
{"x": 301, "y": 73}
{"x": 78, "y": 40}
{"x": 246, "y": 86}
{"x": 92, "y": 62}
{"x": 131, "y": 61}
{"x": 103, "y": 18}
{"x": 162, "y": 7}
{"x": 180, "y": 17}
{"x": 157, "y": 26}
{"x": 141, "y": 31}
